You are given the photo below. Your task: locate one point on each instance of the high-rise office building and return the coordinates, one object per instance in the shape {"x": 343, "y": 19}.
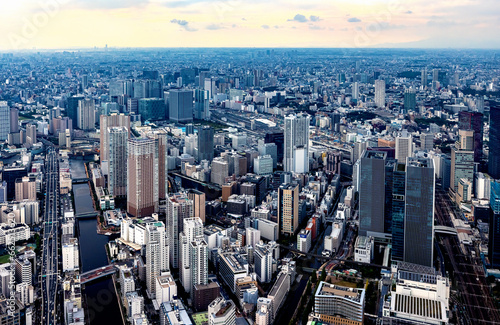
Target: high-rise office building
{"x": 14, "y": 120}
{"x": 494, "y": 153}
{"x": 371, "y": 198}
{"x": 86, "y": 114}
{"x": 205, "y": 143}
{"x": 220, "y": 170}
{"x": 296, "y": 144}
{"x": 473, "y": 121}
{"x": 263, "y": 259}
{"x": 423, "y": 78}
{"x": 201, "y": 104}
{"x": 410, "y": 100}
{"x": 462, "y": 159}
{"x": 380, "y": 93}
{"x": 117, "y": 179}
{"x": 427, "y": 141}
{"x": 4, "y": 121}
{"x": 198, "y": 199}
{"x": 494, "y": 228}
{"x": 278, "y": 138}
{"x": 108, "y": 121}
{"x": 268, "y": 149}
{"x": 419, "y": 211}
{"x": 72, "y": 109}
{"x": 181, "y": 106}
{"x": 288, "y": 209}
{"x": 435, "y": 75}
{"x": 142, "y": 175}
{"x": 404, "y": 147}
{"x": 355, "y": 91}
{"x": 31, "y": 133}
{"x": 152, "y": 109}
{"x": 398, "y": 211}
{"x": 179, "y": 207}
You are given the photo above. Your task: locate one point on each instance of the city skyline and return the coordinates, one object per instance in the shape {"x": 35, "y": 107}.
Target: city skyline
{"x": 73, "y": 24}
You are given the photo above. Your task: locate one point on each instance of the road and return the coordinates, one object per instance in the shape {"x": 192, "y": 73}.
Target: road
{"x": 50, "y": 258}
{"x": 476, "y": 305}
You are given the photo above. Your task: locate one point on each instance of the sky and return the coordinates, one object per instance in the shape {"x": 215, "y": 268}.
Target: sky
{"x": 69, "y": 24}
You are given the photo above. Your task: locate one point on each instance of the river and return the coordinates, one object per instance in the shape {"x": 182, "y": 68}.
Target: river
{"x": 100, "y": 295}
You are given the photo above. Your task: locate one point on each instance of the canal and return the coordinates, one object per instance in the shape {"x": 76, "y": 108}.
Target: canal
{"x": 99, "y": 296}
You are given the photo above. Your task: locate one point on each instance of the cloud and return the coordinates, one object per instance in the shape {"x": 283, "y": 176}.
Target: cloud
{"x": 409, "y": 12}
{"x": 276, "y": 27}
{"x": 354, "y": 20}
{"x": 383, "y": 25}
{"x": 184, "y": 24}
{"x": 265, "y": 26}
{"x": 244, "y": 19}
{"x": 436, "y": 21}
{"x": 314, "y": 18}
{"x": 314, "y": 27}
{"x": 214, "y": 27}
{"x": 110, "y": 4}
{"x": 299, "y": 18}
{"x": 180, "y": 3}
{"x": 344, "y": 29}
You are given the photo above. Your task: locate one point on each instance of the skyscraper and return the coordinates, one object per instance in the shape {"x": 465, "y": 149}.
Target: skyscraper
{"x": 494, "y": 234}
{"x": 419, "y": 211}
{"x": 179, "y": 207}
{"x": 31, "y": 133}
{"x": 371, "y": 189}
{"x": 494, "y": 154}
{"x": 14, "y": 120}
{"x": 288, "y": 209}
{"x": 108, "y": 121}
{"x": 380, "y": 93}
{"x": 398, "y": 211}
{"x": 462, "y": 159}
{"x": 152, "y": 109}
{"x": 181, "y": 106}
{"x": 404, "y": 147}
{"x": 201, "y": 104}
{"x": 355, "y": 91}
{"x": 277, "y": 137}
{"x": 198, "y": 199}
{"x": 86, "y": 114}
{"x": 142, "y": 175}
{"x": 205, "y": 143}
{"x": 193, "y": 257}
{"x": 410, "y": 100}
{"x": 423, "y": 78}
{"x": 157, "y": 254}
{"x": 4, "y": 121}
{"x": 473, "y": 121}
{"x": 117, "y": 179}
{"x": 296, "y": 146}
{"x": 72, "y": 109}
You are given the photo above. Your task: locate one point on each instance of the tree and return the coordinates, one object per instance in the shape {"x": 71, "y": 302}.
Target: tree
{"x": 314, "y": 276}
{"x": 323, "y": 275}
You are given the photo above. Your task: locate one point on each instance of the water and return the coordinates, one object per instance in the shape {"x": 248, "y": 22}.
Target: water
{"x": 100, "y": 296}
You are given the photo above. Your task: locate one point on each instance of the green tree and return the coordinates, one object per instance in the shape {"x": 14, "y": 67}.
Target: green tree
{"x": 314, "y": 277}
